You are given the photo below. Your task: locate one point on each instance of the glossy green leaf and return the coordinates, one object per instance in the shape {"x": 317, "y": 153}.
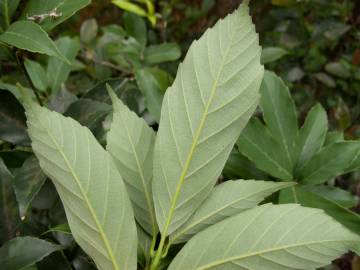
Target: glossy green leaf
{"x": 202, "y": 115}
{"x": 30, "y": 36}
{"x": 57, "y": 70}
{"x": 89, "y": 185}
{"x": 37, "y": 74}
{"x": 164, "y": 52}
{"x": 312, "y": 135}
{"x": 153, "y": 82}
{"x": 279, "y": 113}
{"x": 64, "y": 8}
{"x": 27, "y": 183}
{"x": 226, "y": 200}
{"x": 331, "y": 161}
{"x": 7, "y": 9}
{"x": 22, "y": 252}
{"x": 12, "y": 120}
{"x": 9, "y": 213}
{"x": 258, "y": 145}
{"x": 269, "y": 237}
{"x": 131, "y": 143}
{"x": 271, "y": 54}
{"x": 313, "y": 198}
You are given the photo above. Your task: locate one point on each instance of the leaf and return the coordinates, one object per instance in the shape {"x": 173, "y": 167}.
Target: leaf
{"x": 9, "y": 213}
{"x": 131, "y": 143}
{"x": 202, "y": 115}
{"x": 337, "y": 69}
{"x": 63, "y": 228}
{"x": 88, "y": 30}
{"x": 135, "y": 27}
{"x": 30, "y": 36}
{"x": 153, "y": 82}
{"x": 89, "y": 185}
{"x": 164, "y": 52}
{"x": 27, "y": 183}
{"x": 325, "y": 79}
{"x": 271, "y": 54}
{"x": 65, "y": 8}
{"x": 309, "y": 198}
{"x": 58, "y": 71}
{"x": 7, "y": 9}
{"x": 61, "y": 100}
{"x": 269, "y": 237}
{"x": 312, "y": 135}
{"x": 22, "y": 252}
{"x": 333, "y": 137}
{"x": 258, "y": 145}
{"x": 354, "y": 165}
{"x": 37, "y": 74}
{"x": 238, "y": 166}
{"x": 279, "y": 113}
{"x": 338, "y": 195}
{"x": 226, "y": 200}
{"x": 144, "y": 245}
{"x": 12, "y": 120}
{"x": 329, "y": 162}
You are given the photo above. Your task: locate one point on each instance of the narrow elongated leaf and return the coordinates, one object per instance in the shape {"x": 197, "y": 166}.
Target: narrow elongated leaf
{"x": 226, "y": 200}
{"x": 7, "y": 9}
{"x": 30, "y": 36}
{"x": 333, "y": 137}
{"x": 37, "y": 74}
{"x": 312, "y": 135}
{"x": 258, "y": 145}
{"x": 57, "y": 70}
{"x": 271, "y": 54}
{"x": 131, "y": 143}
{"x": 279, "y": 113}
{"x": 27, "y": 183}
{"x": 202, "y": 115}
{"x": 22, "y": 252}
{"x": 144, "y": 245}
{"x": 331, "y": 161}
{"x": 9, "y": 214}
{"x": 92, "y": 191}
{"x": 269, "y": 237}
{"x": 312, "y": 198}
{"x": 64, "y": 8}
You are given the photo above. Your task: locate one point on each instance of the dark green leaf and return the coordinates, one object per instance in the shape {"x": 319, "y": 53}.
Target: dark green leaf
{"x": 135, "y": 26}
{"x": 61, "y": 100}
{"x": 12, "y": 120}
{"x": 333, "y": 137}
{"x": 65, "y": 8}
{"x": 165, "y": 52}
{"x": 30, "y": 36}
{"x": 9, "y": 214}
{"x": 27, "y": 183}
{"x": 37, "y": 74}
{"x": 329, "y": 162}
{"x": 7, "y": 9}
{"x": 22, "y": 252}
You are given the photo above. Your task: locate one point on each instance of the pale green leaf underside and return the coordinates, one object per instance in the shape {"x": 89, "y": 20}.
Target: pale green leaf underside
{"x": 271, "y": 237}
{"x": 203, "y": 112}
{"x": 226, "y": 200}
{"x": 92, "y": 191}
{"x": 131, "y": 143}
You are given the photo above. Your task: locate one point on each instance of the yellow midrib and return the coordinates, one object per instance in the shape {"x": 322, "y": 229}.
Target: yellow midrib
{"x": 252, "y": 254}
{"x": 88, "y": 204}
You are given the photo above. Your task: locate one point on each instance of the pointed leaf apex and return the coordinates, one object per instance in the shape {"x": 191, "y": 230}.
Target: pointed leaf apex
{"x": 26, "y": 97}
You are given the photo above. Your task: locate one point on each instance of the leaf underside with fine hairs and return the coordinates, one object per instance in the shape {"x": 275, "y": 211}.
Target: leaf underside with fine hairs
{"x": 272, "y": 237}
{"x": 214, "y": 94}
{"x": 92, "y": 191}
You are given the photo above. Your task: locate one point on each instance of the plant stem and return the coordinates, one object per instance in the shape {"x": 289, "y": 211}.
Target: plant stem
{"x": 155, "y": 263}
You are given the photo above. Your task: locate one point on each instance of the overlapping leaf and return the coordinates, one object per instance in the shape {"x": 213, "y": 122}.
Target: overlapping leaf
{"x": 93, "y": 194}
{"x": 214, "y": 94}
{"x": 131, "y": 143}
{"x": 269, "y": 237}
{"x": 226, "y": 200}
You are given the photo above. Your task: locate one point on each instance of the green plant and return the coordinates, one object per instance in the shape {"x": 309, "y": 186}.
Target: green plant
{"x": 310, "y": 156}
{"x": 167, "y": 180}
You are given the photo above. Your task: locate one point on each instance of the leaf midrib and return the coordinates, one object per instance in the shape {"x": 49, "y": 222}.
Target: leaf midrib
{"x": 86, "y": 200}
{"x": 258, "y": 253}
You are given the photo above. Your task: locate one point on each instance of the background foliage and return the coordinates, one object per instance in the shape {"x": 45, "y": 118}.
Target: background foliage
{"x": 314, "y": 45}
